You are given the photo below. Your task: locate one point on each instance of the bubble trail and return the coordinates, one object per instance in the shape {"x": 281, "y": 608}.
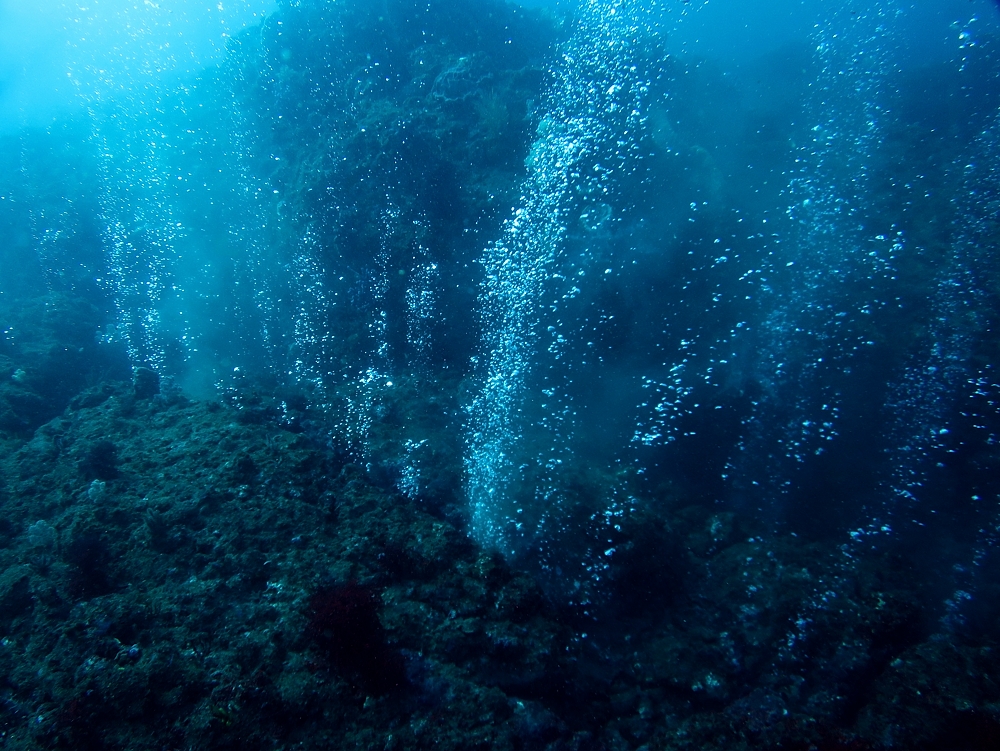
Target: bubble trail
{"x": 949, "y": 393}
{"x": 584, "y": 140}
{"x": 140, "y": 236}
{"x": 832, "y": 268}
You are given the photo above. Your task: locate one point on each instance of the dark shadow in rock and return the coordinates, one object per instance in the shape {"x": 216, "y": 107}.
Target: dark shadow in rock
{"x": 146, "y": 383}
{"x": 345, "y": 627}
{"x": 89, "y": 557}
{"x": 100, "y": 462}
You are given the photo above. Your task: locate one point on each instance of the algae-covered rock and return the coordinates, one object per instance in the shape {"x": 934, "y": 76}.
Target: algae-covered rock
{"x": 185, "y": 589}
{"x": 15, "y": 593}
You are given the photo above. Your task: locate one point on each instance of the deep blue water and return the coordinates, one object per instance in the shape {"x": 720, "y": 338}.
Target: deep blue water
{"x": 546, "y": 270}
{"x": 750, "y": 253}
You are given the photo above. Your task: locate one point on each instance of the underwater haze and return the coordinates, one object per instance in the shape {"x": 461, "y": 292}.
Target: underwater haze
{"x": 55, "y": 56}
{"x": 565, "y": 374}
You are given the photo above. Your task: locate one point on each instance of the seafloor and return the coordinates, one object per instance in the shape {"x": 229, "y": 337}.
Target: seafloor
{"x": 180, "y": 574}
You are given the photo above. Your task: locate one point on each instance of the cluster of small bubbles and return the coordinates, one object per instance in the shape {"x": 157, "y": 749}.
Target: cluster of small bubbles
{"x": 953, "y": 618}
{"x": 251, "y": 208}
{"x": 831, "y": 256}
{"x": 422, "y": 307}
{"x": 409, "y": 482}
{"x": 140, "y": 235}
{"x": 923, "y": 398}
{"x": 579, "y": 580}
{"x": 945, "y": 382}
{"x": 310, "y": 335}
{"x": 362, "y": 398}
{"x": 351, "y": 398}
{"x": 118, "y": 64}
{"x": 669, "y": 407}
{"x": 53, "y": 232}
{"x": 586, "y": 140}
{"x": 967, "y": 39}
{"x": 380, "y": 284}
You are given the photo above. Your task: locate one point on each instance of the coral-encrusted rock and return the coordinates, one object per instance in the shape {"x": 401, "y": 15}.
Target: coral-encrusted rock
{"x": 15, "y": 593}
{"x": 189, "y": 597}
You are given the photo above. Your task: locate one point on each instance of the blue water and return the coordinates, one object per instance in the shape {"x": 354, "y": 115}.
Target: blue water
{"x": 548, "y": 272}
